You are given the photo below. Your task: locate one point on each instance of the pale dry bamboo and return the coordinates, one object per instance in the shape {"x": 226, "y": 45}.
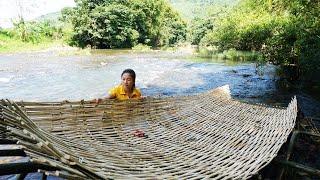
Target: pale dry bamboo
{"x": 208, "y": 135}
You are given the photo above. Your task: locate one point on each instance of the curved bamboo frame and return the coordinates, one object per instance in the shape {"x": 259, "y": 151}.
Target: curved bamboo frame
{"x": 208, "y": 135}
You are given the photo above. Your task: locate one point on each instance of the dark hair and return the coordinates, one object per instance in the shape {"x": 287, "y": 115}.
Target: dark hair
{"x": 132, "y": 74}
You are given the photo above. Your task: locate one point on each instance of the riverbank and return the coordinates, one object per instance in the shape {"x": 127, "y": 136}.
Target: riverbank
{"x": 11, "y": 46}
{"x": 61, "y": 48}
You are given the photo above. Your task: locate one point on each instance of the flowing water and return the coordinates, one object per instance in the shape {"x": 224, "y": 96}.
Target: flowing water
{"x": 48, "y": 76}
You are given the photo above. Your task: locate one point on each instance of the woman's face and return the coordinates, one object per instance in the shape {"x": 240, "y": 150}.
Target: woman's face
{"x": 127, "y": 81}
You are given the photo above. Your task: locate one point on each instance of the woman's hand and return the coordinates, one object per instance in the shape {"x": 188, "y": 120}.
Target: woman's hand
{"x": 99, "y": 100}
{"x": 143, "y": 97}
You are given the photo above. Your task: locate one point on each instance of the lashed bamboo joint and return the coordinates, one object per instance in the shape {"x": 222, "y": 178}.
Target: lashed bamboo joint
{"x": 208, "y": 135}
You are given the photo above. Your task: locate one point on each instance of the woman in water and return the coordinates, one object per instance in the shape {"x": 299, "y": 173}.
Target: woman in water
{"x": 127, "y": 89}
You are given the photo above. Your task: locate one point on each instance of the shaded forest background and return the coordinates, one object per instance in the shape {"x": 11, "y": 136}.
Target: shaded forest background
{"x": 285, "y": 33}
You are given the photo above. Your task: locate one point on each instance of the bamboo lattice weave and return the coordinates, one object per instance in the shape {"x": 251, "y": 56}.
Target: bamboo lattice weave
{"x": 208, "y": 135}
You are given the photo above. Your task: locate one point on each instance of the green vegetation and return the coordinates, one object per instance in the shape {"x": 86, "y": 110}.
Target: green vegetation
{"x": 286, "y": 33}
{"x": 231, "y": 54}
{"x": 191, "y": 9}
{"x": 141, "y": 48}
{"x": 36, "y": 32}
{"x": 124, "y": 23}
{"x": 199, "y": 27}
{"x": 31, "y": 36}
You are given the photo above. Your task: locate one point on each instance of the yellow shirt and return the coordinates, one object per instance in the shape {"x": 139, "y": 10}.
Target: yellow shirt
{"x": 120, "y": 94}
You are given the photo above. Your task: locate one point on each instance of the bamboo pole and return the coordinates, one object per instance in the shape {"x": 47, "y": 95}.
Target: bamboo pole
{"x": 300, "y": 167}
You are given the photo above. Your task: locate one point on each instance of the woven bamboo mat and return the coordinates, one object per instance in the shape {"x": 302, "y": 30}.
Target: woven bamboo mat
{"x": 208, "y": 135}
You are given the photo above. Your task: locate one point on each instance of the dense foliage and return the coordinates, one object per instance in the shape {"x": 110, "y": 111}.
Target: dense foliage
{"x": 191, "y": 9}
{"x": 286, "y": 32}
{"x": 200, "y": 26}
{"x": 124, "y": 23}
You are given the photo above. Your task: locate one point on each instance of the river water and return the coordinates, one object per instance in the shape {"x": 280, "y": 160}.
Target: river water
{"x": 50, "y": 76}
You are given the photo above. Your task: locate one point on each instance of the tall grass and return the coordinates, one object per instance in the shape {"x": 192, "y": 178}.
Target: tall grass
{"x": 25, "y": 36}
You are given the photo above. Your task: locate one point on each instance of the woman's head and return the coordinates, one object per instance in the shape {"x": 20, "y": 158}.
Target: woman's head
{"x": 128, "y": 78}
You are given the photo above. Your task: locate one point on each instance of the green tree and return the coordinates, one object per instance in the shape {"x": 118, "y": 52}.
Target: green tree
{"x": 124, "y": 23}
{"x": 113, "y": 27}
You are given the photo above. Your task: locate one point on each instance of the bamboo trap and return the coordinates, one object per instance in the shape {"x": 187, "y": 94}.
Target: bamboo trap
{"x": 208, "y": 135}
